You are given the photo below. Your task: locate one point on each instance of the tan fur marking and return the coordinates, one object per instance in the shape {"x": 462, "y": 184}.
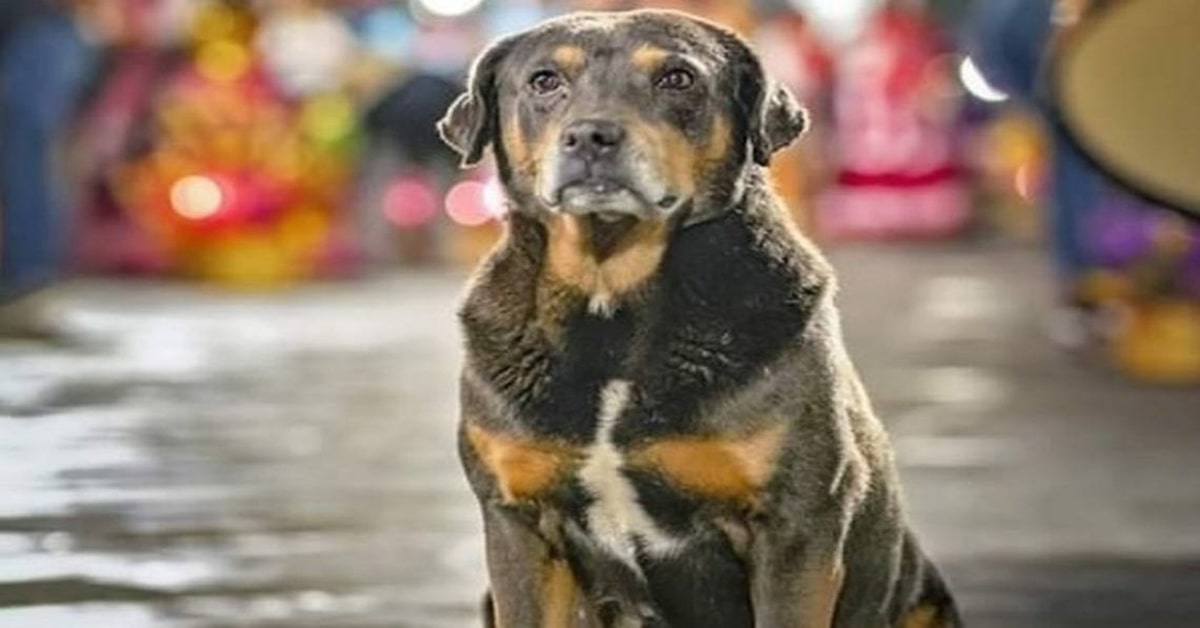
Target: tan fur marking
{"x": 569, "y": 59}
{"x": 570, "y": 258}
{"x": 647, "y": 58}
{"x": 672, "y": 150}
{"x": 515, "y": 145}
{"x": 523, "y": 467}
{"x": 558, "y": 595}
{"x": 718, "y": 142}
{"x": 921, "y": 617}
{"x": 823, "y": 588}
{"x": 718, "y": 467}
{"x": 525, "y": 154}
{"x": 683, "y": 162}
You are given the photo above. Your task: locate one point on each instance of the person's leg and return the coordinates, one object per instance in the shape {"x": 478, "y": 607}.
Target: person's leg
{"x": 41, "y": 71}
{"x": 1075, "y": 192}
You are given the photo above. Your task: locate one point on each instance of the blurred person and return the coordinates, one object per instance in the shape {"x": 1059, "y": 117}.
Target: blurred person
{"x": 1012, "y": 42}
{"x": 47, "y": 48}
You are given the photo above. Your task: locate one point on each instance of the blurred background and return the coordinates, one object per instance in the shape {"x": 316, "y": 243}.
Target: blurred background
{"x": 231, "y": 246}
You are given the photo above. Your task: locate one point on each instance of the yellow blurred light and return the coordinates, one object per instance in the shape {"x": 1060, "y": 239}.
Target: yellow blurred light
{"x": 196, "y": 197}
{"x": 222, "y": 60}
{"x": 328, "y": 118}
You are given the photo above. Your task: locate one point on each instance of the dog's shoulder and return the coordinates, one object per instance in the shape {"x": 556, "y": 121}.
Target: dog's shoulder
{"x": 754, "y": 252}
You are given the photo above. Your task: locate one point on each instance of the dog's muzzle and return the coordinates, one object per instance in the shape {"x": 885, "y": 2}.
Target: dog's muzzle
{"x": 595, "y": 172}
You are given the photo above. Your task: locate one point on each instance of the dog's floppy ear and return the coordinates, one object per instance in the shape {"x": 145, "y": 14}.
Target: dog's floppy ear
{"x": 773, "y": 116}
{"x": 470, "y": 123}
{"x": 781, "y": 120}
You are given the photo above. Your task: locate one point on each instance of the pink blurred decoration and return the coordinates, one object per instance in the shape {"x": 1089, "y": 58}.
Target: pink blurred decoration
{"x": 899, "y": 174}
{"x": 467, "y": 204}
{"x": 410, "y": 202}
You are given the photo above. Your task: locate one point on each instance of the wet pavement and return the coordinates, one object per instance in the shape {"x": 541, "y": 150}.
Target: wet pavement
{"x": 288, "y": 460}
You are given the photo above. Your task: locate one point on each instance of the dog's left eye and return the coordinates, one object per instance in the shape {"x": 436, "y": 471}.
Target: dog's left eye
{"x": 677, "y": 79}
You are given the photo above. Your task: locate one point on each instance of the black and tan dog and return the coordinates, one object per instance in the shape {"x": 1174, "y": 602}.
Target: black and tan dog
{"x": 658, "y": 415}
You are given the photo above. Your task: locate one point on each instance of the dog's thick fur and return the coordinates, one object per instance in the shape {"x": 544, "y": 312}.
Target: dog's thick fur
{"x": 659, "y": 417}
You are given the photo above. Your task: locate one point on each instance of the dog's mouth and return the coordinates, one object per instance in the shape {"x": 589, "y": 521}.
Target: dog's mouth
{"x": 611, "y": 200}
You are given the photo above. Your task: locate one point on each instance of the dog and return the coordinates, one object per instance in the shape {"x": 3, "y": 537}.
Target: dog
{"x": 659, "y": 418}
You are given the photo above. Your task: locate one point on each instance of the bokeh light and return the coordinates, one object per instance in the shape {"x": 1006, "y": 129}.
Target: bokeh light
{"x": 448, "y": 8}
{"x": 977, "y": 84}
{"x": 390, "y": 33}
{"x": 197, "y": 197}
{"x": 328, "y": 119}
{"x": 1023, "y": 182}
{"x": 223, "y": 60}
{"x": 466, "y": 204}
{"x": 493, "y": 197}
{"x": 410, "y": 201}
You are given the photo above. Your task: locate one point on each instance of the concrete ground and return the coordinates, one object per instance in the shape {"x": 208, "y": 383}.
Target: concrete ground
{"x": 287, "y": 460}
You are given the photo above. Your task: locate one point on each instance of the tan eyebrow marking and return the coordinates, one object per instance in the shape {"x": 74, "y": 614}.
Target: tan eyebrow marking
{"x": 569, "y": 58}
{"x": 648, "y": 57}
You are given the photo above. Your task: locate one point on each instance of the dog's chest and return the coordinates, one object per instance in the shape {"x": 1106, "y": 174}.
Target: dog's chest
{"x": 616, "y": 515}
{"x": 612, "y": 409}
{"x": 652, "y": 496}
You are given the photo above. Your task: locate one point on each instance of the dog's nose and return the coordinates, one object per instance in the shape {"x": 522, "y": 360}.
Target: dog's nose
{"x": 592, "y": 138}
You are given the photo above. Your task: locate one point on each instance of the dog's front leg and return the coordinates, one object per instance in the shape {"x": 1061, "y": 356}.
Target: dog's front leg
{"x": 796, "y": 574}
{"x": 531, "y": 584}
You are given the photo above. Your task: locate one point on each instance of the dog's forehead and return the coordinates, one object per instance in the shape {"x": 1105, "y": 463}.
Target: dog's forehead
{"x": 614, "y": 34}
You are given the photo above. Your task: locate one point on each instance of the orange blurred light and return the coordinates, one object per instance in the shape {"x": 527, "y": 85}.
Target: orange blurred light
{"x": 1023, "y": 181}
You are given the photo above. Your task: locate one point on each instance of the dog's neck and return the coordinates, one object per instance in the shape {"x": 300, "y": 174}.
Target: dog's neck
{"x": 604, "y": 262}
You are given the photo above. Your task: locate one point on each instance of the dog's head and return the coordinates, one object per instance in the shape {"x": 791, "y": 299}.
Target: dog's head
{"x": 643, "y": 114}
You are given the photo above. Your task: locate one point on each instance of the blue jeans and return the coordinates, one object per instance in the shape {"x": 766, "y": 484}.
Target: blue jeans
{"x": 42, "y": 69}
{"x": 1076, "y": 189}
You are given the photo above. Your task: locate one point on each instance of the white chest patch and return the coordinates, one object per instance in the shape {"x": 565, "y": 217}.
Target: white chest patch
{"x": 617, "y": 520}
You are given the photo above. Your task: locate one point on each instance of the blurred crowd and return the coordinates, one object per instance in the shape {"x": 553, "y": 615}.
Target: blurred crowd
{"x": 260, "y": 142}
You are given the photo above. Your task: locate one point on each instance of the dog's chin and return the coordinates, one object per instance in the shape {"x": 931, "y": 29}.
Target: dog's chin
{"x": 609, "y": 203}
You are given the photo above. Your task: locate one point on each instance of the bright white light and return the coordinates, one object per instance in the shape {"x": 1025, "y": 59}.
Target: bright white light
{"x": 449, "y": 8}
{"x": 196, "y": 197}
{"x": 974, "y": 81}
{"x": 493, "y": 197}
{"x": 840, "y": 20}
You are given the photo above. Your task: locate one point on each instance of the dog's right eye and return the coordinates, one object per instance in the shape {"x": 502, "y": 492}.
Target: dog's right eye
{"x": 545, "y": 82}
